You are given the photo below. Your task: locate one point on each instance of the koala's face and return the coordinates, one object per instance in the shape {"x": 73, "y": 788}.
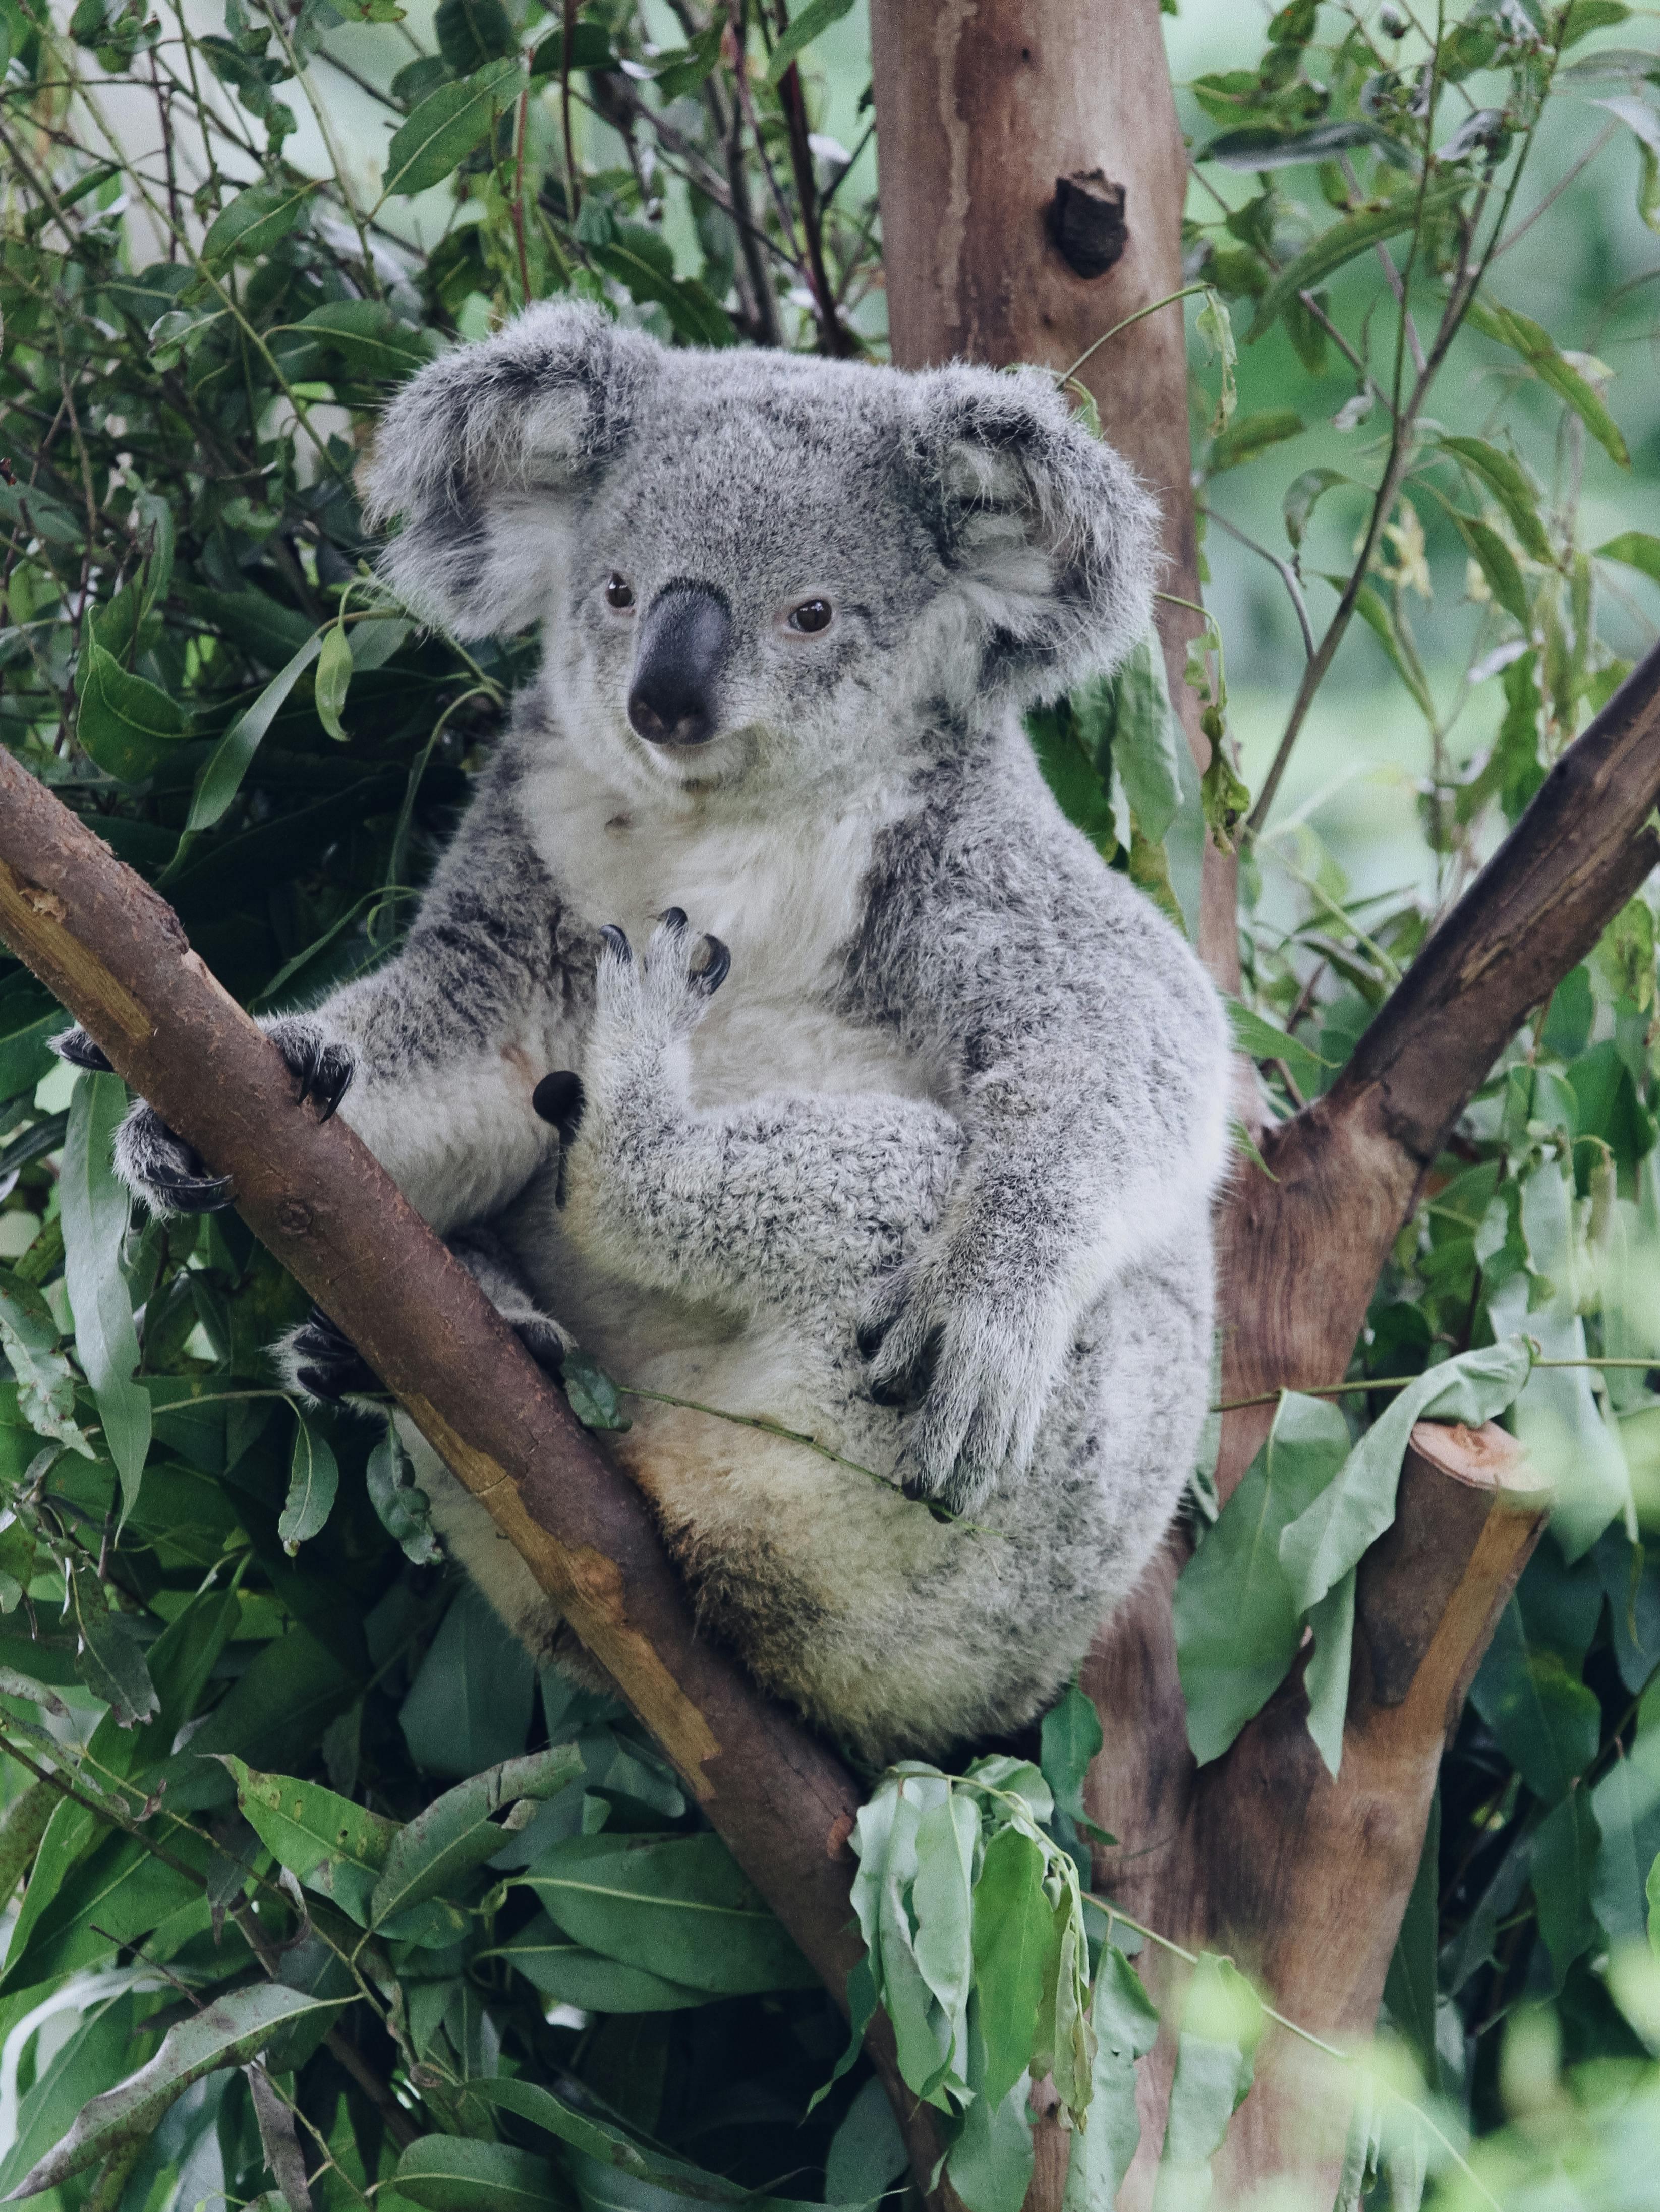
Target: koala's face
{"x": 754, "y": 570}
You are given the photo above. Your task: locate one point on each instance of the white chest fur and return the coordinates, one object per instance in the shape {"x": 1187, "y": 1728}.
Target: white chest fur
{"x": 783, "y": 896}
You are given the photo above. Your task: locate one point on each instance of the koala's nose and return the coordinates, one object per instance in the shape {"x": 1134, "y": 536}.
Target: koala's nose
{"x": 677, "y": 662}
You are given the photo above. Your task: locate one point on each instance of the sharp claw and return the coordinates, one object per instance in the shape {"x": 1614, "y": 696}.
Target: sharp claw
{"x": 329, "y": 1094}
{"x": 713, "y": 973}
{"x": 78, "y": 1049}
{"x": 618, "y": 942}
{"x": 195, "y": 1194}
{"x": 673, "y": 917}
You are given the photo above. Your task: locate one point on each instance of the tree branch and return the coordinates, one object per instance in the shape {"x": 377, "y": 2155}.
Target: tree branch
{"x": 115, "y": 953}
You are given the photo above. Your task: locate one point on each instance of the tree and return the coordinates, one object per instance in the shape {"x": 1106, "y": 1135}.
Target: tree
{"x": 1047, "y": 137}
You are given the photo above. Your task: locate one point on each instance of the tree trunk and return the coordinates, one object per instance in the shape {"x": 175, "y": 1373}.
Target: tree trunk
{"x": 1033, "y": 176}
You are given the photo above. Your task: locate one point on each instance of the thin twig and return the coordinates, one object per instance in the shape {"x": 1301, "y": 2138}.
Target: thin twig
{"x": 1288, "y": 575}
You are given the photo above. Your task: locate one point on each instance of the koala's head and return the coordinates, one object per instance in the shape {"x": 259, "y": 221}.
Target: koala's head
{"x": 753, "y": 566}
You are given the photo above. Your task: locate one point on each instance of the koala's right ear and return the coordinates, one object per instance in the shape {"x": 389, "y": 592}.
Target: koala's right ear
{"x": 474, "y": 448}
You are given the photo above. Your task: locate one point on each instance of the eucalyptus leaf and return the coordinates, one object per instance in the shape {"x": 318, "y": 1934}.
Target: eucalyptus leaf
{"x": 94, "y": 1209}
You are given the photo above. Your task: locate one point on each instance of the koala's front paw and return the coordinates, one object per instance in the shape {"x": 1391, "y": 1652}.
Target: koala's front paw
{"x": 322, "y": 1069}
{"x": 78, "y": 1049}
{"x": 662, "y": 999}
{"x": 487, "y": 1260}
{"x": 161, "y": 1169}
{"x": 979, "y": 1372}
{"x": 319, "y": 1360}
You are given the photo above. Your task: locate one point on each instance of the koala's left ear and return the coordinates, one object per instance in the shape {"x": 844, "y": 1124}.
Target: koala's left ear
{"x": 478, "y": 451}
{"x": 1047, "y": 532}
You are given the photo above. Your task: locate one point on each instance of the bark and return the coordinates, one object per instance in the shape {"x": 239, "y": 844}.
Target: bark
{"x": 114, "y": 952}
{"x": 1023, "y": 144}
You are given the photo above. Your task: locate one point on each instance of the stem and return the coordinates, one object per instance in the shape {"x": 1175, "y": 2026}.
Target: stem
{"x": 1400, "y": 1383}
{"x": 1288, "y": 575}
{"x": 1152, "y": 308}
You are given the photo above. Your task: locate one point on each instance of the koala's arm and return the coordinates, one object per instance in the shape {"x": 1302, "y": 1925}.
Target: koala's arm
{"x": 1085, "y": 1053}
{"x": 786, "y": 1203}
{"x": 433, "y": 1058}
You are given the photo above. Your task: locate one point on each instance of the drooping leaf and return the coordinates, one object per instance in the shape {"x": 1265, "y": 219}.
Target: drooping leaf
{"x": 109, "y": 1658}
{"x": 45, "y": 1381}
{"x": 1565, "y": 1856}
{"x": 1125, "y": 2022}
{"x": 1508, "y": 482}
{"x": 470, "y": 1706}
{"x": 1634, "y": 549}
{"x": 1248, "y": 435}
{"x": 126, "y": 723}
{"x": 1539, "y": 350}
{"x": 94, "y": 1215}
{"x": 1015, "y": 1940}
{"x": 1071, "y": 1737}
{"x": 1215, "y": 2064}
{"x": 1546, "y": 1721}
{"x": 314, "y": 1483}
{"x": 228, "y": 762}
{"x": 225, "y": 2033}
{"x": 333, "y": 676}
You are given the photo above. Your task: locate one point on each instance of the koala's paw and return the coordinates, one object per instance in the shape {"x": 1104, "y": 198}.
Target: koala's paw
{"x": 978, "y": 1371}
{"x": 322, "y": 1069}
{"x": 666, "y": 997}
{"x": 161, "y": 1169}
{"x": 78, "y": 1049}
{"x": 485, "y": 1259}
{"x": 319, "y": 1362}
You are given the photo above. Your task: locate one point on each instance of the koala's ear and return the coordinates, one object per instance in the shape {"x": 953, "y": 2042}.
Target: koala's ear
{"x": 1046, "y": 533}
{"x": 476, "y": 451}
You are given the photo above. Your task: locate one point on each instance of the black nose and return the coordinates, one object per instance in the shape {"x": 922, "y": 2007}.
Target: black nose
{"x": 677, "y": 667}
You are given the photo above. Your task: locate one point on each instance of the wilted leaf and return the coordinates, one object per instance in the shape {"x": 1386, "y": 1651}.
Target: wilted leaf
{"x": 225, "y": 2033}
{"x": 334, "y": 1846}
{"x": 1215, "y": 2064}
{"x": 1508, "y": 482}
{"x": 94, "y": 1215}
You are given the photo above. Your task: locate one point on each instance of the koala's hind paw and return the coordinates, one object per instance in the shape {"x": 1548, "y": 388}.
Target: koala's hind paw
{"x": 78, "y": 1049}
{"x": 319, "y": 1360}
{"x": 486, "y": 1259}
{"x": 162, "y": 1169}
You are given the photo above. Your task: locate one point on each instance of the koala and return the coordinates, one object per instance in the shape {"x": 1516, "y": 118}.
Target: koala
{"x": 907, "y": 1142}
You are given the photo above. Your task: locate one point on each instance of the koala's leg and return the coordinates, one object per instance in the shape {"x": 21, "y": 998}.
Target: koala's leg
{"x": 789, "y": 1202}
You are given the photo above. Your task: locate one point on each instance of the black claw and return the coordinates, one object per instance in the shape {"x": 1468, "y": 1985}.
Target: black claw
{"x": 334, "y": 1366}
{"x": 334, "y": 1080}
{"x": 871, "y": 1336}
{"x": 911, "y": 1385}
{"x": 195, "y": 1194}
{"x": 559, "y": 1098}
{"x": 618, "y": 941}
{"x": 78, "y": 1049}
{"x": 673, "y": 917}
{"x": 713, "y": 973}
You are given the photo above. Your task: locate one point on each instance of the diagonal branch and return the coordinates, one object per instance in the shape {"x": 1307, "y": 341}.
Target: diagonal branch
{"x": 114, "y": 952}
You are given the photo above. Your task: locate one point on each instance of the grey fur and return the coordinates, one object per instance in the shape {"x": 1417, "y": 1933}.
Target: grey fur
{"x": 964, "y": 1085}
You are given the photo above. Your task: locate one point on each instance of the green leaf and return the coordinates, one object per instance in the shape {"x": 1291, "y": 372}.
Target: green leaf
{"x": 255, "y": 221}
{"x": 1147, "y": 740}
{"x": 684, "y": 68}
{"x": 1248, "y": 435}
{"x": 314, "y": 1483}
{"x": 1539, "y": 350}
{"x": 1582, "y": 17}
{"x": 109, "y": 1658}
{"x": 470, "y": 1706}
{"x": 592, "y": 1395}
{"x": 1546, "y": 1721}
{"x": 448, "y": 2173}
{"x": 1634, "y": 549}
{"x": 866, "y": 2152}
{"x": 1508, "y": 483}
{"x": 470, "y": 33}
{"x": 226, "y": 2032}
{"x": 447, "y": 126}
{"x": 458, "y": 1831}
{"x": 1259, "y": 1039}
{"x": 1015, "y": 1941}
{"x": 128, "y": 725}
{"x": 1374, "y": 611}
{"x": 333, "y": 675}
{"x": 634, "y": 255}
{"x": 1498, "y": 564}
{"x": 1303, "y": 495}
{"x": 94, "y": 1214}
{"x": 814, "y": 19}
{"x": 1126, "y": 2024}
{"x": 590, "y": 49}
{"x": 115, "y": 1896}
{"x": 93, "y": 2055}
{"x": 1565, "y": 1853}
{"x": 1260, "y": 146}
{"x": 402, "y": 1509}
{"x": 677, "y": 1905}
{"x": 942, "y": 1902}
{"x": 1645, "y": 126}
{"x": 221, "y": 779}
{"x": 333, "y": 1846}
{"x": 990, "y": 2164}
{"x": 1354, "y": 235}
{"x": 1215, "y": 2064}
{"x": 1334, "y": 1532}
{"x": 45, "y": 1381}
{"x": 1235, "y": 1607}
{"x": 1071, "y": 1736}
{"x": 572, "y": 1974}
{"x": 370, "y": 339}
{"x": 1626, "y": 1805}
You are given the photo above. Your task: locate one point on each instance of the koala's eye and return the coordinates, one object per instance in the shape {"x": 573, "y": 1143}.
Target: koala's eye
{"x": 812, "y": 616}
{"x": 619, "y": 593}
